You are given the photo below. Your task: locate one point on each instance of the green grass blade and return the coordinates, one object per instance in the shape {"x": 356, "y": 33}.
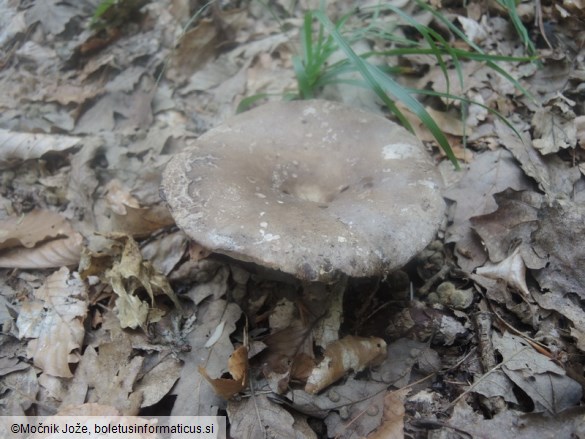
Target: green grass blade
{"x": 380, "y": 83}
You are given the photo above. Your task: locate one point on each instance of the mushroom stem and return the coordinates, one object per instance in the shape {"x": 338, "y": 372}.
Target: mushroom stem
{"x": 326, "y": 329}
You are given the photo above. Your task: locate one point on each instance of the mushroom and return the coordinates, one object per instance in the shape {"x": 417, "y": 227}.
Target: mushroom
{"x": 311, "y": 188}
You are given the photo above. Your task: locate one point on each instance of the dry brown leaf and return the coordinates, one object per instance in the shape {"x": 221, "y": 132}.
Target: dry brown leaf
{"x": 392, "y": 426}
{"x": 52, "y": 254}
{"x": 490, "y": 173}
{"x": 277, "y": 422}
{"x": 194, "y": 395}
{"x": 288, "y": 355}
{"x": 471, "y": 423}
{"x": 32, "y": 228}
{"x": 511, "y": 225}
{"x": 55, "y": 323}
{"x": 62, "y": 246}
{"x": 159, "y": 380}
{"x": 238, "y": 369}
{"x": 15, "y": 146}
{"x": 141, "y": 221}
{"x": 108, "y": 378}
{"x": 348, "y": 354}
{"x": 554, "y": 128}
{"x": 561, "y": 236}
{"x": 544, "y": 381}
{"x": 119, "y": 198}
{"x": 200, "y": 44}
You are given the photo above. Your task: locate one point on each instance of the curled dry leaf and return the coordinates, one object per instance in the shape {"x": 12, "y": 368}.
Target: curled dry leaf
{"x": 238, "y": 369}
{"x": 349, "y": 353}
{"x": 128, "y": 274}
{"x": 512, "y": 270}
{"x": 16, "y": 146}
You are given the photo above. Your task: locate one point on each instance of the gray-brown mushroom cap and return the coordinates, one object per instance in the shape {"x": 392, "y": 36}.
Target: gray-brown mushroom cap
{"x": 311, "y": 188}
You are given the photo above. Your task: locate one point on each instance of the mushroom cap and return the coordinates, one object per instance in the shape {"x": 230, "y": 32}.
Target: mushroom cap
{"x": 312, "y": 188}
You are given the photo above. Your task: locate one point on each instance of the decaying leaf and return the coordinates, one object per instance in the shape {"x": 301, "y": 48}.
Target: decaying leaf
{"x": 348, "y": 354}
{"x": 194, "y": 395}
{"x": 238, "y": 369}
{"x": 108, "y": 377}
{"x": 554, "y": 128}
{"x": 516, "y": 424}
{"x": 288, "y": 355}
{"x": 358, "y": 408}
{"x": 554, "y": 175}
{"x": 561, "y": 238}
{"x": 54, "y": 322}
{"x": 510, "y": 226}
{"x": 275, "y": 421}
{"x": 392, "y": 426}
{"x": 543, "y": 381}
{"x": 159, "y": 381}
{"x": 566, "y": 306}
{"x": 403, "y": 354}
{"x": 490, "y": 173}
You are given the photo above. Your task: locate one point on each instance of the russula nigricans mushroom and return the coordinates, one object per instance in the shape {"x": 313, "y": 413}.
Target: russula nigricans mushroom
{"x": 311, "y": 188}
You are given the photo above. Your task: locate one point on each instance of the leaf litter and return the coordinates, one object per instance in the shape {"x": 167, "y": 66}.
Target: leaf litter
{"x": 88, "y": 249}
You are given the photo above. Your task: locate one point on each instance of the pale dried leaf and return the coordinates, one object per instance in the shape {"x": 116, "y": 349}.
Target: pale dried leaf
{"x": 55, "y": 322}
{"x": 567, "y": 307}
{"x": 166, "y": 251}
{"x": 365, "y": 403}
{"x": 496, "y": 384}
{"x": 275, "y": 421}
{"x": 561, "y": 236}
{"x": 238, "y": 369}
{"x": 53, "y": 15}
{"x": 488, "y": 174}
{"x": 158, "y": 382}
{"x": 516, "y": 424}
{"x": 554, "y": 128}
{"x": 392, "y": 426}
{"x": 118, "y": 197}
{"x": 511, "y": 270}
{"x": 216, "y": 335}
{"x": 543, "y": 381}
{"x": 402, "y": 355}
{"x": 554, "y": 175}
{"x": 511, "y": 225}
{"x": 126, "y": 277}
{"x": 194, "y": 395}
{"x": 51, "y": 254}
{"x": 22, "y": 388}
{"x": 114, "y": 376}
{"x": 32, "y": 228}
{"x": 15, "y": 146}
